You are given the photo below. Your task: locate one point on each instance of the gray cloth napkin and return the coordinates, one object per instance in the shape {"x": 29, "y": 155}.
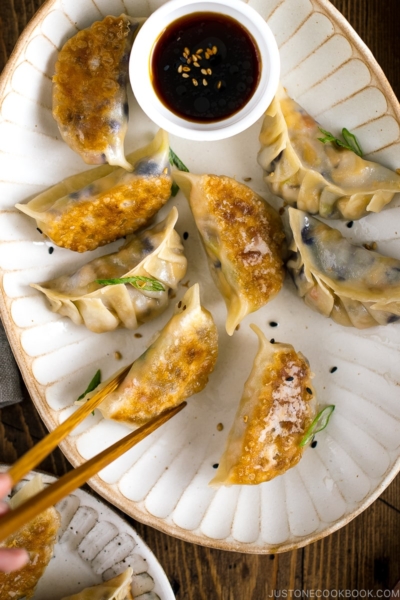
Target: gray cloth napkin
{"x": 10, "y": 387}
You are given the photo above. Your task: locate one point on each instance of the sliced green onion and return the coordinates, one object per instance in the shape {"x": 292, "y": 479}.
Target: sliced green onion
{"x": 350, "y": 140}
{"x": 92, "y": 385}
{"x": 144, "y": 284}
{"x": 176, "y": 162}
{"x": 318, "y": 424}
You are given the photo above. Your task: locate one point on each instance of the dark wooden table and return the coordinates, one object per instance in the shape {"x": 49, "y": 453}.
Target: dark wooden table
{"x": 365, "y": 555}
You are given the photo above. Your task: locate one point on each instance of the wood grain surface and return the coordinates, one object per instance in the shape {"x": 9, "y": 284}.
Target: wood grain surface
{"x": 365, "y": 555}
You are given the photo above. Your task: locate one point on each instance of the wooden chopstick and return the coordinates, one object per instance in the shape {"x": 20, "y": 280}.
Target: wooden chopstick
{"x": 37, "y": 453}
{"x": 15, "y": 519}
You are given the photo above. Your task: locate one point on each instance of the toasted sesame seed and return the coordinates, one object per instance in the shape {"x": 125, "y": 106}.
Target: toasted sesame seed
{"x": 189, "y": 60}
{"x": 186, "y": 49}
{"x": 207, "y": 55}
{"x": 200, "y": 51}
{"x": 185, "y": 56}
{"x": 186, "y": 69}
{"x": 180, "y": 68}
{"x": 196, "y": 64}
{"x": 138, "y": 335}
{"x": 214, "y": 49}
{"x": 209, "y": 72}
{"x": 220, "y": 427}
{"x": 204, "y": 71}
{"x": 194, "y": 57}
{"x": 205, "y": 82}
{"x": 246, "y": 178}
{"x": 117, "y": 355}
{"x": 219, "y": 85}
{"x": 195, "y": 82}
{"x": 185, "y": 75}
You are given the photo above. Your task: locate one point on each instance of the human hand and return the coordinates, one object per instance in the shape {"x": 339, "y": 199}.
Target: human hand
{"x": 11, "y": 559}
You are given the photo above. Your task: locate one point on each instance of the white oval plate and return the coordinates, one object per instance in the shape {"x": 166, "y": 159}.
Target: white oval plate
{"x": 95, "y": 544}
{"x": 163, "y": 482}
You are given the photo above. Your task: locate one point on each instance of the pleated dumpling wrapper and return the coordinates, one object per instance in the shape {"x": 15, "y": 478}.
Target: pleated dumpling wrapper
{"x": 243, "y": 238}
{"x": 156, "y": 253}
{"x": 101, "y": 205}
{"x": 354, "y": 286}
{"x": 277, "y": 407}
{"x": 319, "y": 178}
{"x": 176, "y": 366}
{"x": 90, "y": 101}
{"x": 117, "y": 588}
{"x": 38, "y": 537}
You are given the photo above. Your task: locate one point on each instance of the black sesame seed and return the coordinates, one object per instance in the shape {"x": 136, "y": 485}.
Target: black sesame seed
{"x": 272, "y": 557}
{"x": 289, "y": 378}
{"x": 333, "y": 370}
{"x": 185, "y": 235}
{"x": 166, "y": 67}
{"x": 184, "y": 308}
{"x": 216, "y": 466}
{"x": 309, "y": 390}
{"x": 314, "y": 444}
{"x": 51, "y": 250}
{"x": 272, "y": 341}
{"x": 350, "y": 224}
{"x": 273, "y": 324}
{"x": 39, "y": 230}
{"x": 179, "y": 303}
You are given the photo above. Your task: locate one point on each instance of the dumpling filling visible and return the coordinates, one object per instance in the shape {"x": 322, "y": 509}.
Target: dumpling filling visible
{"x": 243, "y": 239}
{"x": 176, "y": 366}
{"x": 99, "y": 206}
{"x": 89, "y": 94}
{"x": 352, "y": 285}
{"x": 156, "y": 253}
{"x": 276, "y": 408}
{"x": 38, "y": 537}
{"x": 315, "y": 177}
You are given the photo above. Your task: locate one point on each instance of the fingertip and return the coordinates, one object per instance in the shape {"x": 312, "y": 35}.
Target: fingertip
{"x": 12, "y": 559}
{"x": 5, "y": 484}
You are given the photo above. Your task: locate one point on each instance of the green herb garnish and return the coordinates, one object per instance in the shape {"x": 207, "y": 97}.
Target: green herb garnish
{"x": 144, "y": 284}
{"x": 92, "y": 385}
{"x": 176, "y": 162}
{"x": 319, "y": 423}
{"x": 350, "y": 140}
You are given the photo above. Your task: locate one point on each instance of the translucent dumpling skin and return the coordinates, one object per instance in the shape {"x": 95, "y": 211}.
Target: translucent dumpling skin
{"x": 99, "y": 206}
{"x": 89, "y": 90}
{"x": 276, "y": 409}
{"x": 117, "y": 588}
{"x": 176, "y": 366}
{"x": 315, "y": 177}
{"x": 155, "y": 253}
{"x": 352, "y": 285}
{"x": 38, "y": 537}
{"x": 243, "y": 239}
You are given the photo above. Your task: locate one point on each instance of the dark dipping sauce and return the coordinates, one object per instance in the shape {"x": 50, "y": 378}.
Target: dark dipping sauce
{"x": 205, "y": 67}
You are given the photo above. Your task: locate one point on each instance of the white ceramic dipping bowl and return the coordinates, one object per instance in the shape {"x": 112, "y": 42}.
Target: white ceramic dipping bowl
{"x": 141, "y": 80}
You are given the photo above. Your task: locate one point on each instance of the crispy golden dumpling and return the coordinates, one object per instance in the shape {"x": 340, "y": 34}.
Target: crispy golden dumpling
{"x": 117, "y": 588}
{"x": 276, "y": 409}
{"x": 176, "y": 366}
{"x": 350, "y": 284}
{"x": 155, "y": 253}
{"x": 89, "y": 90}
{"x": 243, "y": 239}
{"x": 101, "y": 205}
{"x": 315, "y": 177}
{"x": 38, "y": 537}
